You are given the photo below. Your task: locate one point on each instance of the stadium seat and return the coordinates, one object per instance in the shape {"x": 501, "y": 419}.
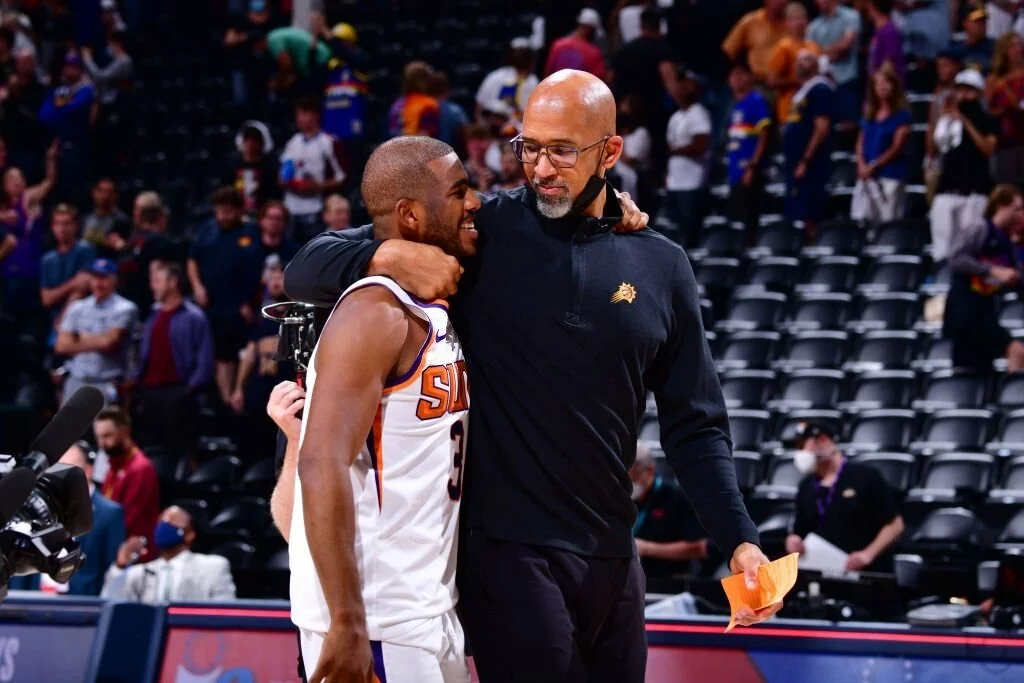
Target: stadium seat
{"x": 777, "y": 239}
{"x": 1010, "y": 394}
{"x": 748, "y": 469}
{"x": 239, "y": 554}
{"x": 1011, "y": 313}
{"x": 936, "y": 354}
{"x": 749, "y": 428}
{"x": 947, "y": 389}
{"x": 707, "y": 314}
{"x": 825, "y": 311}
{"x": 198, "y": 508}
{"x": 831, "y": 274}
{"x": 722, "y": 241}
{"x": 837, "y": 237}
{"x": 813, "y": 349}
{"x": 1008, "y": 496}
{"x": 748, "y": 350}
{"x": 897, "y": 469}
{"x": 774, "y": 529}
{"x": 1012, "y": 536}
{"x": 957, "y": 429}
{"x": 1010, "y": 439}
{"x": 948, "y": 529}
{"x": 779, "y": 273}
{"x": 778, "y": 490}
{"x": 880, "y": 389}
{"x": 246, "y": 518}
{"x": 753, "y": 311}
{"x": 215, "y": 476}
{"x": 950, "y": 479}
{"x": 893, "y": 273}
{"x": 278, "y": 561}
{"x": 747, "y": 388}
{"x": 804, "y": 389}
{"x": 259, "y": 478}
{"x": 786, "y": 422}
{"x": 717, "y": 272}
{"x": 650, "y": 430}
{"x": 883, "y": 349}
{"x": 881, "y": 430}
{"x": 169, "y": 463}
{"x": 898, "y": 237}
{"x": 891, "y": 311}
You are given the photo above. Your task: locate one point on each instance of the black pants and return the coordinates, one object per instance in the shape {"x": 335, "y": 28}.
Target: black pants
{"x": 167, "y": 415}
{"x": 536, "y": 614}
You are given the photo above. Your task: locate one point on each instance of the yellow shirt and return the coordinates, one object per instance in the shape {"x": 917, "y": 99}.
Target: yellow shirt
{"x": 756, "y": 35}
{"x": 782, "y": 67}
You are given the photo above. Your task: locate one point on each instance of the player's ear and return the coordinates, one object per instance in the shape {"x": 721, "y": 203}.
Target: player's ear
{"x": 407, "y": 217}
{"x": 612, "y": 151}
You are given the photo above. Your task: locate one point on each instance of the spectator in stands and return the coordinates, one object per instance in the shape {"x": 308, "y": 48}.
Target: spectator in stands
{"x": 977, "y": 48}
{"x": 848, "y": 504}
{"x": 837, "y": 31}
{"x": 244, "y": 40}
{"x": 346, "y": 88}
{"x": 512, "y": 83}
{"x": 272, "y": 224}
{"x": 782, "y": 64}
{"x": 254, "y": 170}
{"x": 1004, "y": 95}
{"x": 631, "y": 125}
{"x": 985, "y": 264}
{"x": 21, "y": 215}
{"x": 577, "y": 50}
{"x": 512, "y": 175}
{"x": 807, "y": 142}
{"x": 106, "y": 227}
{"x": 147, "y": 243}
{"x": 947, "y": 66}
{"x": 478, "y": 141}
{"x": 6, "y": 52}
{"x": 175, "y": 361}
{"x": 886, "y": 45}
{"x": 224, "y": 271}
{"x": 966, "y": 137}
{"x": 298, "y": 57}
{"x": 452, "y": 119}
{"x": 756, "y": 35}
{"x": 881, "y": 159}
{"x": 337, "y": 213}
{"x": 415, "y": 112}
{"x": 70, "y": 112}
{"x": 626, "y": 20}
{"x": 95, "y": 333}
{"x": 177, "y": 575}
{"x": 19, "y": 111}
{"x": 63, "y": 273}
{"x": 925, "y": 26}
{"x": 689, "y": 143}
{"x": 116, "y": 75}
{"x": 1000, "y": 16}
{"x": 748, "y": 138}
{"x": 128, "y": 476}
{"x": 668, "y": 535}
{"x": 309, "y": 170}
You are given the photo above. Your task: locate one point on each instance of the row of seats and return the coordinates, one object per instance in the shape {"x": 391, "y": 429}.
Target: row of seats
{"x": 766, "y": 310}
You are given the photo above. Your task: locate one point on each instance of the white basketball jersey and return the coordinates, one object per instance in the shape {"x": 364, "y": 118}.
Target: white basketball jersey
{"x": 406, "y": 483}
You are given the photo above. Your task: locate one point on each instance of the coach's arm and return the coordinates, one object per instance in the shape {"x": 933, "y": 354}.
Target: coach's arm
{"x": 695, "y": 433}
{"x": 332, "y": 261}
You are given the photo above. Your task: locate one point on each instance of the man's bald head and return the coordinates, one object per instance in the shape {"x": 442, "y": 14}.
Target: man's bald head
{"x": 398, "y": 170}
{"x": 577, "y": 95}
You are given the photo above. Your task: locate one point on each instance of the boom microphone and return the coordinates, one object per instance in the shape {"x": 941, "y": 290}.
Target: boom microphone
{"x": 66, "y": 427}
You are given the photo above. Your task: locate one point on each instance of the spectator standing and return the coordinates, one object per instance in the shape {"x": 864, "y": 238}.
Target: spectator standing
{"x": 177, "y": 574}
{"x": 254, "y": 171}
{"x": 886, "y": 45}
{"x": 985, "y": 264}
{"x": 626, "y": 16}
{"x": 337, "y": 213}
{"x": 298, "y": 58}
{"x": 309, "y": 170}
{"x": 272, "y": 224}
{"x": 881, "y": 161}
{"x": 479, "y": 141}
{"x": 116, "y": 76}
{"x": 846, "y": 503}
{"x": 1005, "y": 93}
{"x": 925, "y": 26}
{"x": 1000, "y": 16}
{"x": 20, "y": 104}
{"x": 224, "y": 271}
{"x": 147, "y": 243}
{"x": 782, "y": 64}
{"x": 807, "y": 142}
{"x": 70, "y": 112}
{"x": 756, "y": 35}
{"x": 175, "y": 361}
{"x": 95, "y": 334}
{"x": 346, "y": 88}
{"x": 749, "y": 131}
{"x": 631, "y": 125}
{"x": 415, "y": 112}
{"x": 244, "y": 42}
{"x": 63, "y": 273}
{"x": 452, "y": 119}
{"x": 977, "y": 49}
{"x": 947, "y": 66}
{"x": 966, "y": 137}
{"x": 128, "y": 476}
{"x": 512, "y": 83}
{"x": 689, "y": 142}
{"x": 837, "y": 30}
{"x": 578, "y": 50}
{"x": 106, "y": 227}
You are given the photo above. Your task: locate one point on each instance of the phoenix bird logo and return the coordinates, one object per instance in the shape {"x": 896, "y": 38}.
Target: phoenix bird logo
{"x": 626, "y": 292}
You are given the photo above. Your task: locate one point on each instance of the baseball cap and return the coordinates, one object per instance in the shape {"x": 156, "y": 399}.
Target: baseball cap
{"x": 103, "y": 266}
{"x": 589, "y": 17}
{"x": 795, "y": 434}
{"x": 343, "y": 31}
{"x": 970, "y": 78}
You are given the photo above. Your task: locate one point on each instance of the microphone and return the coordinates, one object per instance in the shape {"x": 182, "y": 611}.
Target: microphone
{"x": 64, "y": 430}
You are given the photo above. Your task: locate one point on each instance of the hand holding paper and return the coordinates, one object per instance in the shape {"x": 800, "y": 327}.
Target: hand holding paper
{"x": 752, "y": 601}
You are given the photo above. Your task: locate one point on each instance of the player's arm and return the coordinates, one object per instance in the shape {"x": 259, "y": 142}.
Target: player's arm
{"x": 352, "y": 368}
{"x": 286, "y": 400}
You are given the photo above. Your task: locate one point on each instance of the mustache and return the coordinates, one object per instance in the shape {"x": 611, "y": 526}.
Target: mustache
{"x": 550, "y": 183}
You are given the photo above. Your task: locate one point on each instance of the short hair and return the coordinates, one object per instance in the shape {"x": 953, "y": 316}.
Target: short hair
{"x": 1002, "y": 195}
{"x": 398, "y": 170}
{"x": 105, "y": 179}
{"x": 228, "y": 196}
{"x": 795, "y": 7}
{"x": 883, "y": 6}
{"x": 65, "y": 209}
{"x": 478, "y": 131}
{"x": 273, "y": 204}
{"x": 174, "y": 271}
{"x": 306, "y": 103}
{"x": 115, "y": 415}
{"x": 650, "y": 19}
{"x": 149, "y": 198}
{"x": 438, "y": 84}
{"x": 151, "y": 214}
{"x": 416, "y": 77}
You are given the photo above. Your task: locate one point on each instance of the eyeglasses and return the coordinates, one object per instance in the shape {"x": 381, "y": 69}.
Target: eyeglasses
{"x": 560, "y": 156}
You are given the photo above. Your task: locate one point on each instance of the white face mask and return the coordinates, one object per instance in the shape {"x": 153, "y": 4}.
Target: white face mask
{"x": 638, "y": 491}
{"x": 805, "y": 461}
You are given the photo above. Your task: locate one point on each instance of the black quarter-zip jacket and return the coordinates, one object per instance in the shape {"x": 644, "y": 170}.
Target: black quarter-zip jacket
{"x": 566, "y": 326}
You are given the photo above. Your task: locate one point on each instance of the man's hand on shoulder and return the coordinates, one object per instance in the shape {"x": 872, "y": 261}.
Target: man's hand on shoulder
{"x": 421, "y": 269}
{"x": 633, "y": 219}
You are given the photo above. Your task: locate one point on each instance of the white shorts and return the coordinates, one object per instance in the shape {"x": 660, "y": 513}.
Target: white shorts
{"x": 405, "y": 664}
{"x": 949, "y": 214}
{"x": 878, "y": 200}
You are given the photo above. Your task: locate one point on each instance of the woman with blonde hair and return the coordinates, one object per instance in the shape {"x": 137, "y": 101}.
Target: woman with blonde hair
{"x": 1004, "y": 94}
{"x": 881, "y": 161}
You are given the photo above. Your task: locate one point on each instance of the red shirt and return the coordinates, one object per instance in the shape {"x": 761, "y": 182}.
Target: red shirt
{"x": 136, "y": 487}
{"x": 160, "y": 370}
{"x": 572, "y": 52}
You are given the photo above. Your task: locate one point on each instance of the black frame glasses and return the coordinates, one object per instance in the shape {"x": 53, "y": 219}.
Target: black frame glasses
{"x": 560, "y": 156}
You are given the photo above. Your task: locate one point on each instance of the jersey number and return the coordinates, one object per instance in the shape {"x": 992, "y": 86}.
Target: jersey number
{"x": 458, "y": 458}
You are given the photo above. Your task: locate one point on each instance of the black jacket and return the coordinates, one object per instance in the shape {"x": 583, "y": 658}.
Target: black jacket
{"x": 566, "y": 327}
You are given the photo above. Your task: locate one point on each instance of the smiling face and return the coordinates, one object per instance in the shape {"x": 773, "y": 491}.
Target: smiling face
{"x": 450, "y": 218}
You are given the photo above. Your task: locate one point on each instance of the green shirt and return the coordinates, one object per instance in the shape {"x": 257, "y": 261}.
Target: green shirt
{"x": 296, "y": 42}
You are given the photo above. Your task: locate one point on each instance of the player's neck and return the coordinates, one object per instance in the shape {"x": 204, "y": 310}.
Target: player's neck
{"x": 384, "y": 228}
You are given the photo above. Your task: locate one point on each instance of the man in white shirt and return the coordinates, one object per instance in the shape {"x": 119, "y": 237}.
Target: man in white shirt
{"x": 310, "y": 170}
{"x": 689, "y": 141}
{"x": 511, "y": 84}
{"x": 177, "y": 575}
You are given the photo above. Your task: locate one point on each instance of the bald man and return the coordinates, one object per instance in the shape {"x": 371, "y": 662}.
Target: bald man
{"x": 566, "y": 327}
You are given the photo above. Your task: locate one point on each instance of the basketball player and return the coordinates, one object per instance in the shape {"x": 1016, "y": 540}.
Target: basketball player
{"x": 375, "y": 516}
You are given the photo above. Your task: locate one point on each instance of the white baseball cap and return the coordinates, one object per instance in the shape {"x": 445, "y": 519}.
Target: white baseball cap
{"x": 589, "y": 17}
{"x": 971, "y": 78}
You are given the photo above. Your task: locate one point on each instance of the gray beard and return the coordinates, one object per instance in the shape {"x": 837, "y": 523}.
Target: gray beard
{"x": 554, "y": 208}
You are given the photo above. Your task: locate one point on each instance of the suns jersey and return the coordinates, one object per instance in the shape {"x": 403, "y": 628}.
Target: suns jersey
{"x": 406, "y": 484}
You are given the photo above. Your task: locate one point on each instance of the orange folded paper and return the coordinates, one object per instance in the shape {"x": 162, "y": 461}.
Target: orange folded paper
{"x": 774, "y": 580}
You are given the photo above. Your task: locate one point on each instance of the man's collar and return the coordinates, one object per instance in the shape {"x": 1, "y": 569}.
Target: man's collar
{"x": 575, "y": 224}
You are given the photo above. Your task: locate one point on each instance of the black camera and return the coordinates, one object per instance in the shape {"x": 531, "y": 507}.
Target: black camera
{"x": 300, "y": 328}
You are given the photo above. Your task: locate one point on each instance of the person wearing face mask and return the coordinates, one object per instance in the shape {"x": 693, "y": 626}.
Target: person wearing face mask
{"x": 176, "y": 575}
{"x": 848, "y": 504}
{"x": 668, "y": 534}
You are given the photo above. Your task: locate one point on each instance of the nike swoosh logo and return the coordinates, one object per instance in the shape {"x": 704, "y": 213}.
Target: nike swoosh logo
{"x": 441, "y": 336}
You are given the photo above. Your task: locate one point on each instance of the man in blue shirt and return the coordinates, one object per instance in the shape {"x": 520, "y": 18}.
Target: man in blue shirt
{"x": 837, "y": 31}
{"x": 63, "y": 273}
{"x": 453, "y": 119}
{"x": 748, "y": 133}
{"x": 806, "y": 143}
{"x": 70, "y": 112}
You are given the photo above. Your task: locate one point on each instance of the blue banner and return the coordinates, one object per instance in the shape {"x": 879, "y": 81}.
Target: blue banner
{"x": 31, "y": 653}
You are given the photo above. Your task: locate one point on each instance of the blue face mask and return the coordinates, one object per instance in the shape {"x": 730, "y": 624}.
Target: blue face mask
{"x": 167, "y": 536}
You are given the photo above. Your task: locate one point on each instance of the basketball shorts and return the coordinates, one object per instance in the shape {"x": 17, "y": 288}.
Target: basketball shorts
{"x": 441, "y": 659}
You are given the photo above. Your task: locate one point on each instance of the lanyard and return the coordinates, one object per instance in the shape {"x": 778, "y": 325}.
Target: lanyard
{"x": 823, "y": 505}
{"x": 642, "y": 516}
